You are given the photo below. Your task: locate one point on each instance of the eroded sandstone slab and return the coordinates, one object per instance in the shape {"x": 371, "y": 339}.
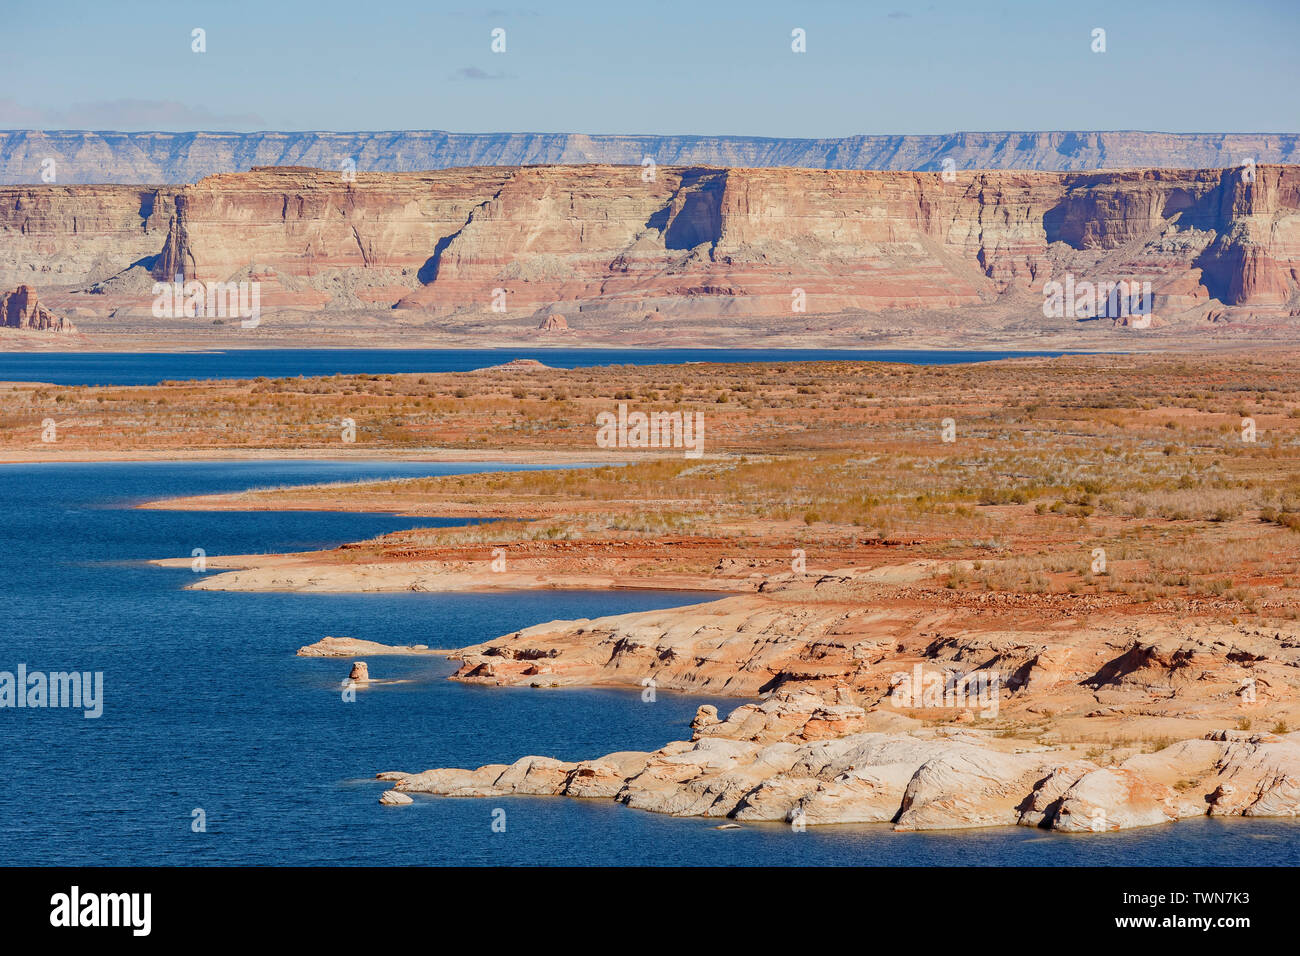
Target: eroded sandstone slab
{"x": 928, "y": 779}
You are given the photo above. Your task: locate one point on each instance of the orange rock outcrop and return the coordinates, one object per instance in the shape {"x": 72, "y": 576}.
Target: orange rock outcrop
{"x": 20, "y": 310}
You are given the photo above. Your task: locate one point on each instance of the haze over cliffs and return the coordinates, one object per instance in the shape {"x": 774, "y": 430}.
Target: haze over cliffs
{"x": 82, "y": 156}
{"x": 495, "y": 250}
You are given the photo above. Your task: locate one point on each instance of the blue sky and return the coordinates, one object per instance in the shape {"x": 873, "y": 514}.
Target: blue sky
{"x": 703, "y": 67}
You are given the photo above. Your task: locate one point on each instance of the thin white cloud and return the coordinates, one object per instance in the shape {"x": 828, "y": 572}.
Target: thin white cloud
{"x": 474, "y": 73}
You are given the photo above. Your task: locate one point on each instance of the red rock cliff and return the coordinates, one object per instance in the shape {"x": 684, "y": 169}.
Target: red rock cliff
{"x": 691, "y": 239}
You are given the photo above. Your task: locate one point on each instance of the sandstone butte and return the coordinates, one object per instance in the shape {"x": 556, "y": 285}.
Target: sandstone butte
{"x": 826, "y": 740}
{"x": 20, "y": 310}
{"x": 600, "y": 243}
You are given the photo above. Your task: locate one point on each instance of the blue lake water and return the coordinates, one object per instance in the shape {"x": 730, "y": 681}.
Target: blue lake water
{"x": 206, "y": 706}
{"x": 142, "y": 368}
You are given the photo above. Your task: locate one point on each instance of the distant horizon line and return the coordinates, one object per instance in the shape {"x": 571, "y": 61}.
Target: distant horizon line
{"x": 742, "y": 136}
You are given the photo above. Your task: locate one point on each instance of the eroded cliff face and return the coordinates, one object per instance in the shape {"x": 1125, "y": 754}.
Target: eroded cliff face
{"x": 316, "y": 240}
{"x": 596, "y": 241}
{"x": 69, "y": 235}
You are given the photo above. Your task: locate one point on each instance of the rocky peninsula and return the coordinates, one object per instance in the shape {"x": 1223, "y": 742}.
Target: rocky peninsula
{"x": 1057, "y": 592}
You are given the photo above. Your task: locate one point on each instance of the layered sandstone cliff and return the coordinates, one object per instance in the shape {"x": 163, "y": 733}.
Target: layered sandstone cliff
{"x": 525, "y": 242}
{"x": 83, "y": 156}
{"x": 61, "y": 237}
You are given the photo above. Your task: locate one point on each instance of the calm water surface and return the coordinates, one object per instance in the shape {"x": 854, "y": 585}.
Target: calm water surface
{"x": 138, "y": 368}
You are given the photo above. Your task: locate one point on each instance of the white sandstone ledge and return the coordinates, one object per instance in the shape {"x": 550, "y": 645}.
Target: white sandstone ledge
{"x": 783, "y": 760}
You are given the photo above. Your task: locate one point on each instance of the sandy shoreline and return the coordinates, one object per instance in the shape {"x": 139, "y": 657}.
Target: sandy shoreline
{"x": 304, "y": 572}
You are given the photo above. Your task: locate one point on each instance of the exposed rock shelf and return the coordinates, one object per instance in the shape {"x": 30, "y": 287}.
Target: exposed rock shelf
{"x": 832, "y": 742}
{"x": 790, "y": 759}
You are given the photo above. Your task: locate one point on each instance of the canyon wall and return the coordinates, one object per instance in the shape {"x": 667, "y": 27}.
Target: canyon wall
{"x": 81, "y": 156}
{"x": 614, "y": 240}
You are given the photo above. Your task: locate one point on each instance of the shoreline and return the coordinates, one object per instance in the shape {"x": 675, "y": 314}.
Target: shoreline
{"x": 290, "y": 572}
{"x": 377, "y": 455}
{"x": 524, "y": 345}
{"x": 837, "y": 544}
{"x": 190, "y": 342}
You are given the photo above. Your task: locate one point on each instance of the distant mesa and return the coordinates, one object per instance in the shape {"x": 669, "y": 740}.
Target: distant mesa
{"x": 554, "y": 323}
{"x": 20, "y": 310}
{"x": 100, "y": 156}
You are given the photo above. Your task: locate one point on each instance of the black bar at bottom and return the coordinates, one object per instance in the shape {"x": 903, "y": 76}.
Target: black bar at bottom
{"x": 733, "y": 905}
